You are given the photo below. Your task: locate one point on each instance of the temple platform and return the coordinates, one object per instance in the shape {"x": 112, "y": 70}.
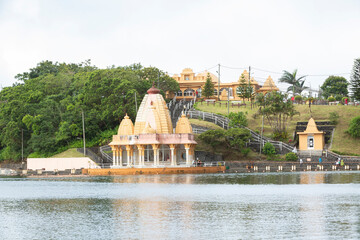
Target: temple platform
{"x": 152, "y": 171}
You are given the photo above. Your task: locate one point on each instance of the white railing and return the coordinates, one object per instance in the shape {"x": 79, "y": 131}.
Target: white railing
{"x": 224, "y": 123}
{"x": 104, "y": 154}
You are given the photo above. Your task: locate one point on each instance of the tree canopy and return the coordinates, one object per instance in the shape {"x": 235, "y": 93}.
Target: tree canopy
{"x": 208, "y": 90}
{"x": 355, "y": 79}
{"x": 297, "y": 84}
{"x": 335, "y": 86}
{"x": 277, "y": 109}
{"x": 46, "y": 104}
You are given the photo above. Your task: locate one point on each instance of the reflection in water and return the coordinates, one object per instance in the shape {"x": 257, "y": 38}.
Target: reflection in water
{"x": 231, "y": 206}
{"x": 313, "y": 178}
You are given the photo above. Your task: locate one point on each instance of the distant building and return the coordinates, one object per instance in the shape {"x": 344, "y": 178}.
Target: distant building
{"x": 311, "y": 138}
{"x": 191, "y": 85}
{"x": 269, "y": 86}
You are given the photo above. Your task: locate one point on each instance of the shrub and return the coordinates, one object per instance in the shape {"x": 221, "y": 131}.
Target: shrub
{"x": 331, "y": 99}
{"x": 338, "y": 97}
{"x": 291, "y": 157}
{"x": 238, "y": 119}
{"x": 245, "y": 151}
{"x": 280, "y": 136}
{"x": 354, "y": 127}
{"x": 343, "y": 99}
{"x": 298, "y": 98}
{"x": 213, "y": 137}
{"x": 237, "y": 137}
{"x": 269, "y": 149}
{"x": 334, "y": 118}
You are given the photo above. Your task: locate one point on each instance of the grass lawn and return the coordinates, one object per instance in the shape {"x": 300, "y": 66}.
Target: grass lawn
{"x": 203, "y": 123}
{"x": 68, "y": 154}
{"x": 342, "y": 142}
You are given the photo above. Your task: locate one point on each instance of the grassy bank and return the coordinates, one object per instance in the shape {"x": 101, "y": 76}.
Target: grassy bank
{"x": 342, "y": 142}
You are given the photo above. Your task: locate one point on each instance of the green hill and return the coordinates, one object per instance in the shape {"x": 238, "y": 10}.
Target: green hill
{"x": 342, "y": 142}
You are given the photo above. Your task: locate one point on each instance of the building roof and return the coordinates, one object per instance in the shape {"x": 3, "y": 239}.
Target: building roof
{"x": 183, "y": 125}
{"x": 311, "y": 128}
{"x": 126, "y": 126}
{"x": 246, "y": 76}
{"x": 204, "y": 75}
{"x": 269, "y": 86}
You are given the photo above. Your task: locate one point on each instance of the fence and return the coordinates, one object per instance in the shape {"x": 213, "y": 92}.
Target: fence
{"x": 223, "y": 122}
{"x": 93, "y": 156}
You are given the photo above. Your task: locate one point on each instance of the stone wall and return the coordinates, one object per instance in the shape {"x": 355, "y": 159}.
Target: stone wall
{"x": 207, "y": 156}
{"x": 270, "y": 166}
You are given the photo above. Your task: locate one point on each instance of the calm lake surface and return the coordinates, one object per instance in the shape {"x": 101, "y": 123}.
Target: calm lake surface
{"x": 308, "y": 205}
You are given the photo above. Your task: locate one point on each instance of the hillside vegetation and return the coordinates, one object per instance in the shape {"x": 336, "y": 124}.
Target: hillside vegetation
{"x": 44, "y": 109}
{"x": 342, "y": 142}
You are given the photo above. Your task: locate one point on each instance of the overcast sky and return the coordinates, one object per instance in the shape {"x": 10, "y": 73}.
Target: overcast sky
{"x": 315, "y": 37}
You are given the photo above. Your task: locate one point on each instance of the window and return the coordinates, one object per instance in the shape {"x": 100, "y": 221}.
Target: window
{"x": 179, "y": 93}
{"x": 189, "y": 92}
{"x": 187, "y": 77}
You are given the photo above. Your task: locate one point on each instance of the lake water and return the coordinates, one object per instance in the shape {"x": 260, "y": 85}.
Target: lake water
{"x": 308, "y": 205}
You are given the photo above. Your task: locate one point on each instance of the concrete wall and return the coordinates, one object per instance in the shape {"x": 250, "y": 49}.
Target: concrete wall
{"x": 153, "y": 171}
{"x": 50, "y": 164}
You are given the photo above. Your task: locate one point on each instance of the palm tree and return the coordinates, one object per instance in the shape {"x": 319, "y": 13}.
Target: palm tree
{"x": 297, "y": 83}
{"x": 298, "y": 87}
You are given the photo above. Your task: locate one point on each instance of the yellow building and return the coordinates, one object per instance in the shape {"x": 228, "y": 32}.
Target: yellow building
{"x": 269, "y": 86}
{"x": 311, "y": 138}
{"x": 191, "y": 85}
{"x": 152, "y": 141}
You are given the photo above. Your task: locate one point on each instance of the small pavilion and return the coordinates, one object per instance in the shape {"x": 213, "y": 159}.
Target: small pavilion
{"x": 269, "y": 86}
{"x": 311, "y": 138}
{"x": 152, "y": 141}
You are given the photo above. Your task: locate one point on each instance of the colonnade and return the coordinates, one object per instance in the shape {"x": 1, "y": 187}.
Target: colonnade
{"x": 135, "y": 154}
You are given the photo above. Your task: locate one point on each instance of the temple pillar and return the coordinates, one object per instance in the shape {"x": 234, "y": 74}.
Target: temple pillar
{"x": 120, "y": 157}
{"x": 114, "y": 157}
{"x": 192, "y": 153}
{"x": 173, "y": 154}
{"x": 156, "y": 153}
{"x": 187, "y": 148}
{"x": 128, "y": 152}
{"x": 141, "y": 155}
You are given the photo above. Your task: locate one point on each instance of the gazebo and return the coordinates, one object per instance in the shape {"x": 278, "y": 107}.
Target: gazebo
{"x": 152, "y": 141}
{"x": 311, "y": 138}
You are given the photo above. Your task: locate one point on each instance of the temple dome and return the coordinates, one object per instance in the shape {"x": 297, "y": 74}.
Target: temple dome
{"x": 187, "y": 70}
{"x": 183, "y": 125}
{"x": 268, "y": 86}
{"x": 126, "y": 126}
{"x": 153, "y": 90}
{"x": 311, "y": 127}
{"x": 154, "y": 113}
{"x": 203, "y": 76}
{"x": 148, "y": 129}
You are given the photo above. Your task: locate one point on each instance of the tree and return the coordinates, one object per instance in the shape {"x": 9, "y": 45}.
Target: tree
{"x": 242, "y": 89}
{"x": 208, "y": 90}
{"x": 297, "y": 84}
{"x": 354, "y": 127}
{"x": 335, "y": 86}
{"x": 213, "y": 137}
{"x": 237, "y": 137}
{"x": 46, "y": 105}
{"x": 277, "y": 109}
{"x": 355, "y": 79}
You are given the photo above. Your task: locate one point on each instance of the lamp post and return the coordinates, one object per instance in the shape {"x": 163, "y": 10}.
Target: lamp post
{"x": 83, "y": 125}
{"x": 228, "y": 99}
